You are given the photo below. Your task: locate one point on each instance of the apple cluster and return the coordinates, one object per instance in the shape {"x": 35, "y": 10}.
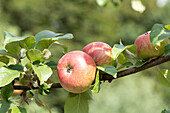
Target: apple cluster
{"x": 76, "y": 70}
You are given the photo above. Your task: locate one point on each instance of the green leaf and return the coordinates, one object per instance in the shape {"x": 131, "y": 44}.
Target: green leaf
{"x": 13, "y": 48}
{"x": 118, "y": 49}
{"x": 128, "y": 64}
{"x": 46, "y": 40}
{"x": 66, "y": 36}
{"x": 27, "y": 43}
{"x": 7, "y": 76}
{"x": 44, "y": 89}
{"x": 96, "y": 87}
{"x": 5, "y": 105}
{"x": 167, "y": 49}
{"x": 51, "y": 64}
{"x": 164, "y": 77}
{"x": 5, "y": 53}
{"x": 140, "y": 63}
{"x": 39, "y": 102}
{"x": 77, "y": 103}
{"x": 111, "y": 70}
{"x": 102, "y": 2}
{"x": 8, "y": 37}
{"x": 44, "y": 44}
{"x": 17, "y": 109}
{"x": 43, "y": 72}
{"x": 34, "y": 55}
{"x": 46, "y": 34}
{"x": 4, "y": 59}
{"x": 159, "y": 33}
{"x": 165, "y": 111}
{"x": 122, "y": 59}
{"x": 7, "y": 91}
{"x": 61, "y": 45}
{"x": 17, "y": 67}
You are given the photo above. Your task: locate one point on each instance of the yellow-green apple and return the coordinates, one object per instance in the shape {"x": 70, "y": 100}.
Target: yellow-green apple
{"x": 145, "y": 49}
{"x": 76, "y": 71}
{"x": 100, "y": 52}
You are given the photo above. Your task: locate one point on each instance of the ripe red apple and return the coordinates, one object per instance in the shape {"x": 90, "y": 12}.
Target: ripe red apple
{"x": 100, "y": 52}
{"x": 76, "y": 71}
{"x": 146, "y": 50}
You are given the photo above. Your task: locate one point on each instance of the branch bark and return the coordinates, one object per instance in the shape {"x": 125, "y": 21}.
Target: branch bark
{"x": 106, "y": 77}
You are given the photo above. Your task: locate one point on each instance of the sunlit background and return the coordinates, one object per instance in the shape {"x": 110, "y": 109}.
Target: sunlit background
{"x": 88, "y": 22}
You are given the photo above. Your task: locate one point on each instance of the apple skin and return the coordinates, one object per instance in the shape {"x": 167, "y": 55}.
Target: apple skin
{"x": 76, "y": 71}
{"x": 100, "y": 52}
{"x": 145, "y": 49}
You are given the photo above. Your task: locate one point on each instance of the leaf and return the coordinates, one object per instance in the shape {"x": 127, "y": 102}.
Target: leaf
{"x": 140, "y": 63}
{"x": 44, "y": 39}
{"x": 43, "y": 72}
{"x": 111, "y": 70}
{"x": 4, "y": 59}
{"x": 102, "y": 2}
{"x": 44, "y": 89}
{"x": 7, "y": 91}
{"x": 46, "y": 34}
{"x": 7, "y": 76}
{"x": 26, "y": 43}
{"x": 34, "y": 55}
{"x": 118, "y": 49}
{"x": 51, "y": 64}
{"x": 44, "y": 44}
{"x": 13, "y": 48}
{"x": 8, "y": 37}
{"x": 122, "y": 59}
{"x": 3, "y": 52}
{"x": 17, "y": 67}
{"x": 61, "y": 45}
{"x": 165, "y": 111}
{"x": 77, "y": 103}
{"x": 158, "y": 33}
{"x": 39, "y": 102}
{"x": 164, "y": 77}
{"x": 96, "y": 87}
{"x": 167, "y": 49}
{"x": 17, "y": 109}
{"x": 128, "y": 64}
{"x": 66, "y": 36}
{"x": 5, "y": 105}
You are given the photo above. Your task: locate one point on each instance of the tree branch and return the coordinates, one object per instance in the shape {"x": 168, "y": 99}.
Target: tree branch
{"x": 109, "y": 77}
{"x": 133, "y": 70}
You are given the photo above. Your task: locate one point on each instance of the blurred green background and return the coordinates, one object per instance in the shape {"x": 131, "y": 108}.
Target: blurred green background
{"x": 137, "y": 93}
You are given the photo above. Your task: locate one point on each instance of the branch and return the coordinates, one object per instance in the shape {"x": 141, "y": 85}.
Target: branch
{"x": 123, "y": 73}
{"x": 133, "y": 70}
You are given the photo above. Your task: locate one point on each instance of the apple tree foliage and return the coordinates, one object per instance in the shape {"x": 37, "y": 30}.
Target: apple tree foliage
{"x": 27, "y": 60}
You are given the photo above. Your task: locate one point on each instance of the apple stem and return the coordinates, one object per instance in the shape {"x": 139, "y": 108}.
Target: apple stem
{"x": 69, "y": 69}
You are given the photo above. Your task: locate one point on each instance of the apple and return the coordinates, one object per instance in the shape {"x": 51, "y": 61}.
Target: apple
{"x": 100, "y": 52}
{"x": 145, "y": 49}
{"x": 76, "y": 71}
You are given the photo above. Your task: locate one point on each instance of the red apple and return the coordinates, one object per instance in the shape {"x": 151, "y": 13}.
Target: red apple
{"x": 146, "y": 50}
{"x": 76, "y": 71}
{"x": 100, "y": 52}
